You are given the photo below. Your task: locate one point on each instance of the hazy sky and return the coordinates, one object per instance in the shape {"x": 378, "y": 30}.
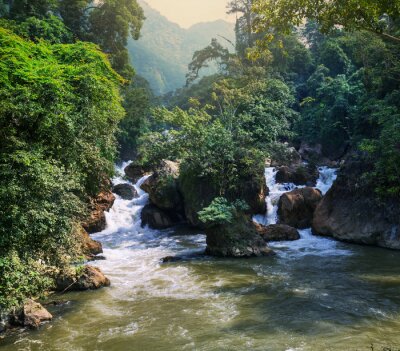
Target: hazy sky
{"x": 189, "y": 12}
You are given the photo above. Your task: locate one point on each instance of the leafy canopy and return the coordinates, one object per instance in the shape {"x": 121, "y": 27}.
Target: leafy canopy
{"x": 371, "y": 15}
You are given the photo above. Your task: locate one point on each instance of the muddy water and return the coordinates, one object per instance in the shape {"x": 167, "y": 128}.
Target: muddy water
{"x": 316, "y": 294}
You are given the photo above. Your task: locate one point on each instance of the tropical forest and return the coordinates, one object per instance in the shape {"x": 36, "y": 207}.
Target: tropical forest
{"x": 199, "y": 175}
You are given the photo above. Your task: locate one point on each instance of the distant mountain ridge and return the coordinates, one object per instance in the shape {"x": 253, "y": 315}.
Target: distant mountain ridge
{"x": 164, "y": 50}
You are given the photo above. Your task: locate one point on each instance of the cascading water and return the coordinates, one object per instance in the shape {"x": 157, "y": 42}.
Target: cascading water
{"x": 308, "y": 244}
{"x": 315, "y": 294}
{"x": 128, "y": 246}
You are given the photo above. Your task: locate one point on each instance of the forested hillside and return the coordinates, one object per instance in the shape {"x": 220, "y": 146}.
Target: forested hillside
{"x": 164, "y": 50}
{"x": 61, "y": 105}
{"x": 276, "y": 139}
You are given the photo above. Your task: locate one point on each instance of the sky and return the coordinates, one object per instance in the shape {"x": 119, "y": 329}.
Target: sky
{"x": 189, "y": 12}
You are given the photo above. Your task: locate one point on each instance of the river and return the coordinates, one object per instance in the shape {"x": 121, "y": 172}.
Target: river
{"x": 315, "y": 294}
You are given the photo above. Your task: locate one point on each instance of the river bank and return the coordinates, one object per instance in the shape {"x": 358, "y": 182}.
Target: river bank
{"x": 315, "y": 294}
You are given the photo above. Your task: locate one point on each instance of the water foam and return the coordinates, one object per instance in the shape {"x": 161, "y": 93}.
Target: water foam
{"x": 308, "y": 243}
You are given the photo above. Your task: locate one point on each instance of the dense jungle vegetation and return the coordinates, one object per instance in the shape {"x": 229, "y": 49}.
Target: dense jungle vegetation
{"x": 69, "y": 103}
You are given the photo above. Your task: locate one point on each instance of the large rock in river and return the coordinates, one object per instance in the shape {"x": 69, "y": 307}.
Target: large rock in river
{"x": 277, "y": 232}
{"x": 89, "y": 246}
{"x": 351, "y": 211}
{"x": 296, "y": 208}
{"x": 134, "y": 172}
{"x": 87, "y": 278}
{"x": 162, "y": 187}
{"x": 157, "y": 218}
{"x": 96, "y": 222}
{"x": 298, "y": 175}
{"x": 199, "y": 192}
{"x": 236, "y": 239}
{"x": 126, "y": 191}
{"x": 32, "y": 314}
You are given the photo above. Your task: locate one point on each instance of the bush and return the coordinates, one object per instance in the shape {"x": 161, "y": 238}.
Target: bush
{"x": 221, "y": 211}
{"x": 20, "y": 280}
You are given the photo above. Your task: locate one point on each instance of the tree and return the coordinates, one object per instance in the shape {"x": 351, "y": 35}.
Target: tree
{"x": 371, "y": 15}
{"x": 22, "y": 9}
{"x": 201, "y": 58}
{"x": 137, "y": 103}
{"x": 111, "y": 22}
{"x": 74, "y": 14}
{"x": 59, "y": 111}
{"x": 244, "y": 24}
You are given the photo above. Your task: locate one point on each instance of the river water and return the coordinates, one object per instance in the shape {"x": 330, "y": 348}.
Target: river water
{"x": 315, "y": 294}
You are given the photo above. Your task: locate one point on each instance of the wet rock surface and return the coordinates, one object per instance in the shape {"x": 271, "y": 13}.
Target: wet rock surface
{"x": 134, "y": 172}
{"x": 90, "y": 247}
{"x": 352, "y": 212}
{"x": 89, "y": 278}
{"x": 156, "y": 218}
{"x": 31, "y": 315}
{"x": 162, "y": 187}
{"x": 237, "y": 239}
{"x": 298, "y": 175}
{"x": 96, "y": 222}
{"x": 277, "y": 232}
{"x": 126, "y": 191}
{"x": 296, "y": 208}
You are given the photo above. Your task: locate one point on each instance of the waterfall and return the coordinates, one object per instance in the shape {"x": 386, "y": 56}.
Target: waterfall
{"x": 326, "y": 178}
{"x": 308, "y": 243}
{"x": 134, "y": 253}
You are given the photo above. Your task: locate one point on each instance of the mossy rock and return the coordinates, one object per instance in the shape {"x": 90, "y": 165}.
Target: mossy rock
{"x": 236, "y": 239}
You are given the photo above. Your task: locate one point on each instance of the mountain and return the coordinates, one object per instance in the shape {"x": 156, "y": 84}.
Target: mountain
{"x": 164, "y": 50}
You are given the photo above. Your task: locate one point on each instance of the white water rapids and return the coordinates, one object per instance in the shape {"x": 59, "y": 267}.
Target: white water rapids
{"x": 315, "y": 294}
{"x": 127, "y": 244}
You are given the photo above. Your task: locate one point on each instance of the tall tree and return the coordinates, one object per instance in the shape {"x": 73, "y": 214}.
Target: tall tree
{"x": 371, "y": 15}
{"x": 201, "y": 59}
{"x": 111, "y": 23}
{"x": 28, "y": 8}
{"x": 244, "y": 25}
{"x": 75, "y": 16}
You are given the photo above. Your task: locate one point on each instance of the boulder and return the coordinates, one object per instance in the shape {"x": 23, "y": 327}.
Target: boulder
{"x": 236, "y": 239}
{"x": 162, "y": 187}
{"x": 312, "y": 153}
{"x": 197, "y": 194}
{"x": 284, "y": 155}
{"x": 126, "y": 191}
{"x": 90, "y": 247}
{"x": 31, "y": 315}
{"x": 298, "y": 175}
{"x": 254, "y": 192}
{"x": 296, "y": 208}
{"x": 89, "y": 278}
{"x": 322, "y": 155}
{"x": 156, "y": 218}
{"x": 96, "y": 222}
{"x": 134, "y": 172}
{"x": 277, "y": 232}
{"x": 352, "y": 212}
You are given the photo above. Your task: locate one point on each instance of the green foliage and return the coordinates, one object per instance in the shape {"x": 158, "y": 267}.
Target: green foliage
{"x": 59, "y": 111}
{"x": 371, "y": 15}
{"x": 137, "y": 103}
{"x": 20, "y": 280}
{"x": 385, "y": 149}
{"x": 21, "y": 9}
{"x": 107, "y": 23}
{"x": 50, "y": 28}
{"x": 221, "y": 211}
{"x": 111, "y": 22}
